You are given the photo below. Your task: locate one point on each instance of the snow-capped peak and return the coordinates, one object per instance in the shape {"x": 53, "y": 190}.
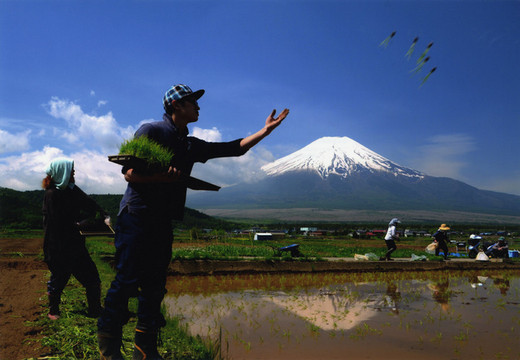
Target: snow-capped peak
{"x": 339, "y": 156}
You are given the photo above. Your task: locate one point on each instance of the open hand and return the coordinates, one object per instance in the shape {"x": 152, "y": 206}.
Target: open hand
{"x": 271, "y": 122}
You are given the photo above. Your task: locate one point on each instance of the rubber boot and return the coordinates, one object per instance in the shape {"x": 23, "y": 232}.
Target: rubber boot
{"x": 54, "y": 306}
{"x": 94, "y": 301}
{"x": 145, "y": 347}
{"x": 110, "y": 346}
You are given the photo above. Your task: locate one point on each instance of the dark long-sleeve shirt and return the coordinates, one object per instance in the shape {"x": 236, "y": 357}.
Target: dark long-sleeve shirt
{"x": 440, "y": 236}
{"x": 168, "y": 199}
{"x": 62, "y": 210}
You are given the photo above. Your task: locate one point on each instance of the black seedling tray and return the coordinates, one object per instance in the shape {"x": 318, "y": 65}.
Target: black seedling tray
{"x": 142, "y": 165}
{"x": 95, "y": 228}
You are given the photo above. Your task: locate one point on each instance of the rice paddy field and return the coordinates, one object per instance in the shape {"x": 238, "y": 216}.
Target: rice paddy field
{"x": 313, "y": 315}
{"x": 404, "y": 315}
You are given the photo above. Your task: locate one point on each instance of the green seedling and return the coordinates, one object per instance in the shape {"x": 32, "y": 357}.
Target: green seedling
{"x": 147, "y": 149}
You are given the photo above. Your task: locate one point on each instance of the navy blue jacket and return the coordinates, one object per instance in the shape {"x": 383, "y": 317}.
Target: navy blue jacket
{"x": 168, "y": 199}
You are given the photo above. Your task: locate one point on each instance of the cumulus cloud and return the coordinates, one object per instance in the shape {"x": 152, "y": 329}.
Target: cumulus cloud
{"x": 102, "y": 131}
{"x": 233, "y": 170}
{"x": 25, "y": 171}
{"x": 94, "y": 173}
{"x": 94, "y": 137}
{"x": 212, "y": 135}
{"x": 13, "y": 142}
{"x": 443, "y": 155}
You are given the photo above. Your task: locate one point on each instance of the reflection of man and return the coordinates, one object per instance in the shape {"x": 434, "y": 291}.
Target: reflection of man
{"x": 441, "y": 293}
{"x": 394, "y": 296}
{"x": 502, "y": 285}
{"x": 474, "y": 281}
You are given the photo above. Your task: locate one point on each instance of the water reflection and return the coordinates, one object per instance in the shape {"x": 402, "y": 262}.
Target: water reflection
{"x": 441, "y": 293}
{"x": 429, "y": 316}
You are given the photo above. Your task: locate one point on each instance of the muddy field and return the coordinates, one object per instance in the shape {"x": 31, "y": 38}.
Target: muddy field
{"x": 22, "y": 294}
{"x": 23, "y": 277}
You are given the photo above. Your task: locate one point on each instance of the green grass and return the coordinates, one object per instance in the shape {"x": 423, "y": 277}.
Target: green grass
{"x": 74, "y": 336}
{"x": 310, "y": 248}
{"x": 144, "y": 148}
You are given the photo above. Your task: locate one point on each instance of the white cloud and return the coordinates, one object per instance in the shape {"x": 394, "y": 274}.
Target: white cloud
{"x": 26, "y": 171}
{"x": 101, "y": 103}
{"x": 233, "y": 170}
{"x": 92, "y": 93}
{"x": 13, "y": 142}
{"x": 94, "y": 137}
{"x": 100, "y": 131}
{"x": 212, "y": 135}
{"x": 94, "y": 173}
{"x": 444, "y": 155}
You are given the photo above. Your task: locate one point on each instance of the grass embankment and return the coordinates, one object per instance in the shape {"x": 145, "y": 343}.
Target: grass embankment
{"x": 228, "y": 247}
{"x": 74, "y": 336}
{"x": 311, "y": 249}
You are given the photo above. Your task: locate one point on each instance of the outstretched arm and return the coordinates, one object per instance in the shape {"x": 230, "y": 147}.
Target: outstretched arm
{"x": 271, "y": 123}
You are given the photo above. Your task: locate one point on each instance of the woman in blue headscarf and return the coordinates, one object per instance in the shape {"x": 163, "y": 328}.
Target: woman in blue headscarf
{"x": 64, "y": 206}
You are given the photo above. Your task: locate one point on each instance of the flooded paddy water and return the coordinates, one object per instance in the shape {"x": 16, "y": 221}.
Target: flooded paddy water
{"x": 405, "y": 315}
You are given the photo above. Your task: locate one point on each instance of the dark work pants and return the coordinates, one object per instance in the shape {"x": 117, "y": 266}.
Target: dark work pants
{"x": 390, "y": 245}
{"x": 442, "y": 246}
{"x": 143, "y": 253}
{"x": 77, "y": 263}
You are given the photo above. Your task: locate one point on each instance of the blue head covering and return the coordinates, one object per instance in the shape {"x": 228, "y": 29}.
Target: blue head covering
{"x": 394, "y": 221}
{"x": 60, "y": 170}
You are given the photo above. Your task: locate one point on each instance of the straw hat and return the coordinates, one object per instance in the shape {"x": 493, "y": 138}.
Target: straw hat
{"x": 444, "y": 227}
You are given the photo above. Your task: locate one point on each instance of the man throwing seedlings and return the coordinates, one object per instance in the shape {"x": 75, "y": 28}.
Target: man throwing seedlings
{"x": 144, "y": 233}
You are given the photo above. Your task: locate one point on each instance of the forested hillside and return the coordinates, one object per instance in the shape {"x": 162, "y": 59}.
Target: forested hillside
{"x": 23, "y": 210}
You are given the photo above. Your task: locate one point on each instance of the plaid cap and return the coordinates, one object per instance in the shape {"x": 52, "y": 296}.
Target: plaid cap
{"x": 177, "y": 92}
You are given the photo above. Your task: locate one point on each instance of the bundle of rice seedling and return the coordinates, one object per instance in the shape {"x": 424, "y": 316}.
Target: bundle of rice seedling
{"x": 156, "y": 155}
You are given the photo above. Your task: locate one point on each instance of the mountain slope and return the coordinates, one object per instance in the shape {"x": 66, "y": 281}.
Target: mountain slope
{"x": 340, "y": 156}
{"x": 339, "y": 173}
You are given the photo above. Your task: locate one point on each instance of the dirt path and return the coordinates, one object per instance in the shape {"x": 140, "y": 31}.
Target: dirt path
{"x": 22, "y": 294}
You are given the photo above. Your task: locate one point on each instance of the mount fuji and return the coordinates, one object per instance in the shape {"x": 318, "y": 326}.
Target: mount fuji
{"x": 338, "y": 173}
{"x": 339, "y": 156}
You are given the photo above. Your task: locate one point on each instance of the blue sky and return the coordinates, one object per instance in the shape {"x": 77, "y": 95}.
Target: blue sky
{"x": 78, "y": 77}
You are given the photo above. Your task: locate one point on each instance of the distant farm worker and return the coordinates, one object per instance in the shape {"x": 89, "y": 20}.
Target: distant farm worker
{"x": 500, "y": 249}
{"x": 390, "y": 238}
{"x": 441, "y": 238}
{"x": 64, "y": 206}
{"x": 144, "y": 237}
